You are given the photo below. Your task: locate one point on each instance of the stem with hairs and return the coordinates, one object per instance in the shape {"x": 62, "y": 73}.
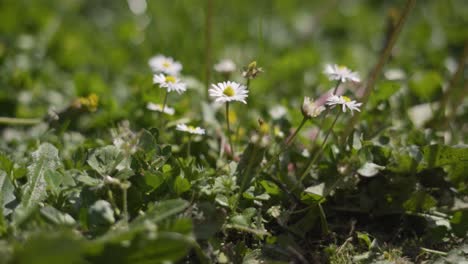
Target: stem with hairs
{"x": 229, "y": 129}
{"x": 286, "y": 145}
{"x": 319, "y": 152}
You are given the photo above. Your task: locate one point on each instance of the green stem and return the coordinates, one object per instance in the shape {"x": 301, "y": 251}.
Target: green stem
{"x": 19, "y": 121}
{"x": 378, "y": 67}
{"x": 164, "y": 101}
{"x": 229, "y": 129}
{"x": 336, "y": 87}
{"x": 323, "y": 220}
{"x": 286, "y": 144}
{"x": 317, "y": 154}
{"x": 125, "y": 204}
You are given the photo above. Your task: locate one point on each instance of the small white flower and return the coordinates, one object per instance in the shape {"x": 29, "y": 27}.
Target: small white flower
{"x": 311, "y": 109}
{"x": 190, "y": 129}
{"x": 158, "y": 108}
{"x": 225, "y": 66}
{"x": 170, "y": 82}
{"x": 167, "y": 65}
{"x": 277, "y": 112}
{"x": 341, "y": 73}
{"x": 345, "y": 102}
{"x": 229, "y": 91}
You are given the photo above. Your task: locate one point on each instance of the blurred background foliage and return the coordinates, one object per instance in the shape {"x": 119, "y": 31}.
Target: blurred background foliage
{"x": 52, "y": 51}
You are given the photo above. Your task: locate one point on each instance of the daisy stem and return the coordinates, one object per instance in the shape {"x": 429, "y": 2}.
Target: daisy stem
{"x": 125, "y": 204}
{"x": 336, "y": 87}
{"x": 165, "y": 101}
{"x": 319, "y": 152}
{"x": 286, "y": 144}
{"x": 229, "y": 129}
{"x": 19, "y": 121}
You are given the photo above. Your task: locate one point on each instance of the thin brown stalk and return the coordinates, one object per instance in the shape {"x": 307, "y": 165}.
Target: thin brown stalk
{"x": 377, "y": 70}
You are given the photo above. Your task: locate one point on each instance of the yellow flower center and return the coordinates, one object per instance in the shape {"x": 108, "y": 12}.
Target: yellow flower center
{"x": 346, "y": 99}
{"x": 170, "y": 79}
{"x": 192, "y": 128}
{"x": 228, "y": 91}
{"x": 166, "y": 64}
{"x": 341, "y": 67}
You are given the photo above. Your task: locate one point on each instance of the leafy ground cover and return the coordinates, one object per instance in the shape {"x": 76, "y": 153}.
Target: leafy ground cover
{"x": 111, "y": 153}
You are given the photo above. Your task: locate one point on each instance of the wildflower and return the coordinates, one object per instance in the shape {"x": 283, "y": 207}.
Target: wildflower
{"x": 166, "y": 65}
{"x": 170, "y": 82}
{"x": 251, "y": 71}
{"x": 228, "y": 92}
{"x": 277, "y": 112}
{"x": 159, "y": 108}
{"x": 345, "y": 102}
{"x": 311, "y": 109}
{"x": 341, "y": 73}
{"x": 190, "y": 129}
{"x": 225, "y": 66}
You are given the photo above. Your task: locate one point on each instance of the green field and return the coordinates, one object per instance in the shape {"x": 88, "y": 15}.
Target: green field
{"x": 334, "y": 131}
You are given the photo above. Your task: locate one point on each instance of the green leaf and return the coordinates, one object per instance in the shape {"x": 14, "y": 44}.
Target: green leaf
{"x": 7, "y": 193}
{"x": 44, "y": 160}
{"x": 383, "y": 92}
{"x": 181, "y": 185}
{"x": 420, "y": 201}
{"x": 453, "y": 159}
{"x": 51, "y": 248}
{"x": 459, "y": 223}
{"x": 105, "y": 160}
{"x": 425, "y": 84}
{"x": 270, "y": 187}
{"x": 57, "y": 217}
{"x": 158, "y": 213}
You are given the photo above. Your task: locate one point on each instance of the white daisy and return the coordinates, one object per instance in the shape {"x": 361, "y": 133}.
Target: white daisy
{"x": 341, "y": 73}
{"x": 170, "y": 82}
{"x": 229, "y": 91}
{"x": 167, "y": 65}
{"x": 345, "y": 102}
{"x": 278, "y": 111}
{"x": 225, "y": 66}
{"x": 190, "y": 129}
{"x": 311, "y": 109}
{"x": 158, "y": 108}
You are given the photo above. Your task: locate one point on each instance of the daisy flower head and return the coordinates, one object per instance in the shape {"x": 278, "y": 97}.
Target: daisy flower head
{"x": 341, "y": 73}
{"x": 158, "y": 108}
{"x": 225, "y": 66}
{"x": 228, "y": 92}
{"x": 167, "y": 65}
{"x": 345, "y": 102}
{"x": 311, "y": 109}
{"x": 190, "y": 129}
{"x": 170, "y": 82}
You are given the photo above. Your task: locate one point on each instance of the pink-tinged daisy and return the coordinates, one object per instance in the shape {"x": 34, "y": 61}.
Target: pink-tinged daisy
{"x": 345, "y": 102}
{"x": 341, "y": 73}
